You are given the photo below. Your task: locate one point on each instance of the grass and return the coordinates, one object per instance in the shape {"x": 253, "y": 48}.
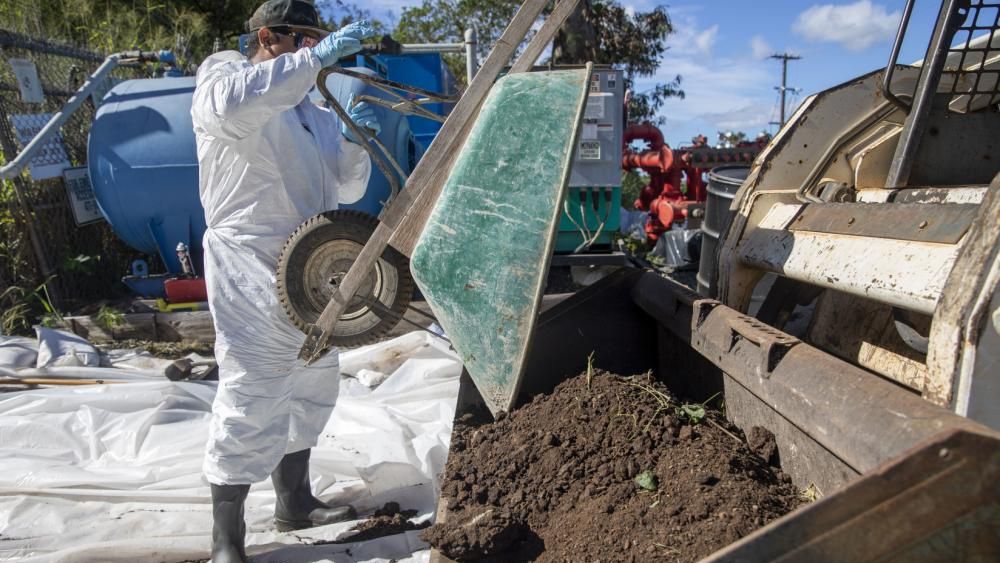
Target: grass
{"x": 590, "y": 369}
{"x": 22, "y": 303}
{"x": 811, "y": 493}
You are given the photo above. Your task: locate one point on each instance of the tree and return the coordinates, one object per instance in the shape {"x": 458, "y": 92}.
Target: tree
{"x": 601, "y": 31}
{"x": 335, "y": 14}
{"x": 189, "y": 27}
{"x": 730, "y": 139}
{"x": 604, "y": 32}
{"x": 445, "y": 21}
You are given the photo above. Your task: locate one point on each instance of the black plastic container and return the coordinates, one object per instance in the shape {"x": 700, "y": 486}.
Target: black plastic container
{"x": 723, "y": 182}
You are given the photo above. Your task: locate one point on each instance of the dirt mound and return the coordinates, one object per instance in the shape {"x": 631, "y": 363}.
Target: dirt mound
{"x": 387, "y": 521}
{"x": 604, "y": 469}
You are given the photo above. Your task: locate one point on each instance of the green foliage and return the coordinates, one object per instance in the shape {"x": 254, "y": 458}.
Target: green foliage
{"x": 20, "y": 305}
{"x": 16, "y": 311}
{"x": 601, "y": 31}
{"x": 632, "y": 184}
{"x": 644, "y": 105}
{"x": 694, "y": 413}
{"x": 647, "y": 480}
{"x": 335, "y": 14}
{"x": 188, "y": 27}
{"x": 445, "y": 21}
{"x": 81, "y": 264}
{"x": 109, "y": 317}
{"x": 730, "y": 139}
{"x": 50, "y": 320}
{"x": 605, "y": 32}
{"x": 638, "y": 247}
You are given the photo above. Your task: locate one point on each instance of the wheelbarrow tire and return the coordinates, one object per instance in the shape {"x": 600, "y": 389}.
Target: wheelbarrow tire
{"x": 317, "y": 256}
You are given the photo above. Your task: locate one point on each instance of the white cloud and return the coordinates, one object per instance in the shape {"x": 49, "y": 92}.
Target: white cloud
{"x": 855, "y": 26}
{"x": 760, "y": 48}
{"x": 706, "y": 39}
{"x": 751, "y": 118}
{"x": 688, "y": 38}
{"x": 732, "y": 94}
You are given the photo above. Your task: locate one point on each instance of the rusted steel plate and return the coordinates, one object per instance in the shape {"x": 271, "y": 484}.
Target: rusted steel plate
{"x": 942, "y": 223}
{"x": 861, "y": 418}
{"x": 937, "y": 502}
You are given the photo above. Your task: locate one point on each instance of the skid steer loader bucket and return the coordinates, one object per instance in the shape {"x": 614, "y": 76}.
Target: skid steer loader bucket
{"x": 482, "y": 259}
{"x": 901, "y": 479}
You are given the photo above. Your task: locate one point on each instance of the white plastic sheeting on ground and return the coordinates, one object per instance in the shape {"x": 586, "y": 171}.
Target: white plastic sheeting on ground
{"x": 113, "y": 472}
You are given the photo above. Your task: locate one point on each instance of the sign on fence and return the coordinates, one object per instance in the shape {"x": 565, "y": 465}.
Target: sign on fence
{"x": 81, "y": 196}
{"x": 51, "y": 159}
{"x": 27, "y": 81}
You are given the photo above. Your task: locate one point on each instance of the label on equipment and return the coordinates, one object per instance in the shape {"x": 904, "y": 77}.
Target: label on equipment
{"x": 595, "y": 82}
{"x": 595, "y": 106}
{"x": 51, "y": 158}
{"x": 81, "y": 196}
{"x": 590, "y": 150}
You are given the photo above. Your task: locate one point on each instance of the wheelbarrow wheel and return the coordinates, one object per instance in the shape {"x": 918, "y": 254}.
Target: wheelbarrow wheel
{"x": 315, "y": 259}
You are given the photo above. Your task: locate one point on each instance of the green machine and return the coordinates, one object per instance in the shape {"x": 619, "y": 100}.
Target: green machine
{"x": 590, "y": 212}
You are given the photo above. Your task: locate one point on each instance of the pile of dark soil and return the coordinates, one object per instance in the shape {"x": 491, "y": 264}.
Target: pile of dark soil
{"x": 387, "y": 521}
{"x": 168, "y": 350}
{"x": 605, "y": 468}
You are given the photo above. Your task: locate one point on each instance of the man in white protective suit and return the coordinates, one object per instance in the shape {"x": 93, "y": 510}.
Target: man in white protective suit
{"x": 269, "y": 159}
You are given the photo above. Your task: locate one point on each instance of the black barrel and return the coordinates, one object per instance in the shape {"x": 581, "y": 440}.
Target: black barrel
{"x": 723, "y": 182}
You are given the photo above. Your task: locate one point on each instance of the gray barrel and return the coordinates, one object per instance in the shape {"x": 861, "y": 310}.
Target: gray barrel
{"x": 723, "y": 182}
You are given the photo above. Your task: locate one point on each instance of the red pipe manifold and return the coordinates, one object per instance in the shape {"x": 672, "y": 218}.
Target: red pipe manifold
{"x": 662, "y": 197}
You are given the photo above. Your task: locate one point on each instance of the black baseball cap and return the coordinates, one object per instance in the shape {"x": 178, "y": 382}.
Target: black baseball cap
{"x": 291, "y": 13}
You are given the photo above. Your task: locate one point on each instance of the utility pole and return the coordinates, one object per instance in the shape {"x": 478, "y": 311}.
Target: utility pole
{"x": 784, "y": 57}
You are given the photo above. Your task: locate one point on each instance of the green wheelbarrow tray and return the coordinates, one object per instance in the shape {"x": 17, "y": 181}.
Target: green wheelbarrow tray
{"x": 481, "y": 260}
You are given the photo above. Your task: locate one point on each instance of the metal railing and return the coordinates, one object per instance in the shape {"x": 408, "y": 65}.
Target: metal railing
{"x": 40, "y": 243}
{"x": 962, "y": 45}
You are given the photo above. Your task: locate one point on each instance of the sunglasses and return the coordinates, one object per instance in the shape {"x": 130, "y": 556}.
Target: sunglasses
{"x": 300, "y": 38}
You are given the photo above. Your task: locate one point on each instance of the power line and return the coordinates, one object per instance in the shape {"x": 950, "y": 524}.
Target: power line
{"x": 784, "y": 58}
{"x": 773, "y": 116}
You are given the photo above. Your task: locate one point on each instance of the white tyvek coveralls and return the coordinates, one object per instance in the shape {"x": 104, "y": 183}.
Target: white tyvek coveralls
{"x": 262, "y": 173}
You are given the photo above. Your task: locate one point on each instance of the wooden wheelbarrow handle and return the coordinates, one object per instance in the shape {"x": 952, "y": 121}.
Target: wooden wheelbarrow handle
{"x": 426, "y": 180}
{"x": 55, "y": 381}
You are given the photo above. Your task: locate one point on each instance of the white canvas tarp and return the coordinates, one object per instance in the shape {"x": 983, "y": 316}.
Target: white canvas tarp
{"x": 113, "y": 472}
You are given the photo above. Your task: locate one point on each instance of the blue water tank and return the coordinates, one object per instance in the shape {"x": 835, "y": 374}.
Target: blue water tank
{"x": 144, "y": 167}
{"x": 423, "y": 70}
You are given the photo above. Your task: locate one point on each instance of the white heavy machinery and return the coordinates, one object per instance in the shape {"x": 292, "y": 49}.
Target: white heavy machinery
{"x": 874, "y": 204}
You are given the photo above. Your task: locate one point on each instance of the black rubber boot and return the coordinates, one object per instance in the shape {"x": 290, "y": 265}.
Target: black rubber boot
{"x": 228, "y": 528}
{"x": 296, "y": 507}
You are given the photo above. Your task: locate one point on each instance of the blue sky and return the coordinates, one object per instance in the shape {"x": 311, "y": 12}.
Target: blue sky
{"x": 720, "y": 49}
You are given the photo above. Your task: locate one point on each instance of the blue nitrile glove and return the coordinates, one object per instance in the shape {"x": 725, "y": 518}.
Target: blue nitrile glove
{"x": 343, "y": 42}
{"x": 364, "y": 117}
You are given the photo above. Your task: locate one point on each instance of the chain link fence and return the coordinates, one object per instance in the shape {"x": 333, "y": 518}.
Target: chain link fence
{"x": 41, "y": 245}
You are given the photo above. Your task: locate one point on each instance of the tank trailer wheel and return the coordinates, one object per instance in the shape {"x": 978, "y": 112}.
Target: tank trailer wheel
{"x": 317, "y": 256}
